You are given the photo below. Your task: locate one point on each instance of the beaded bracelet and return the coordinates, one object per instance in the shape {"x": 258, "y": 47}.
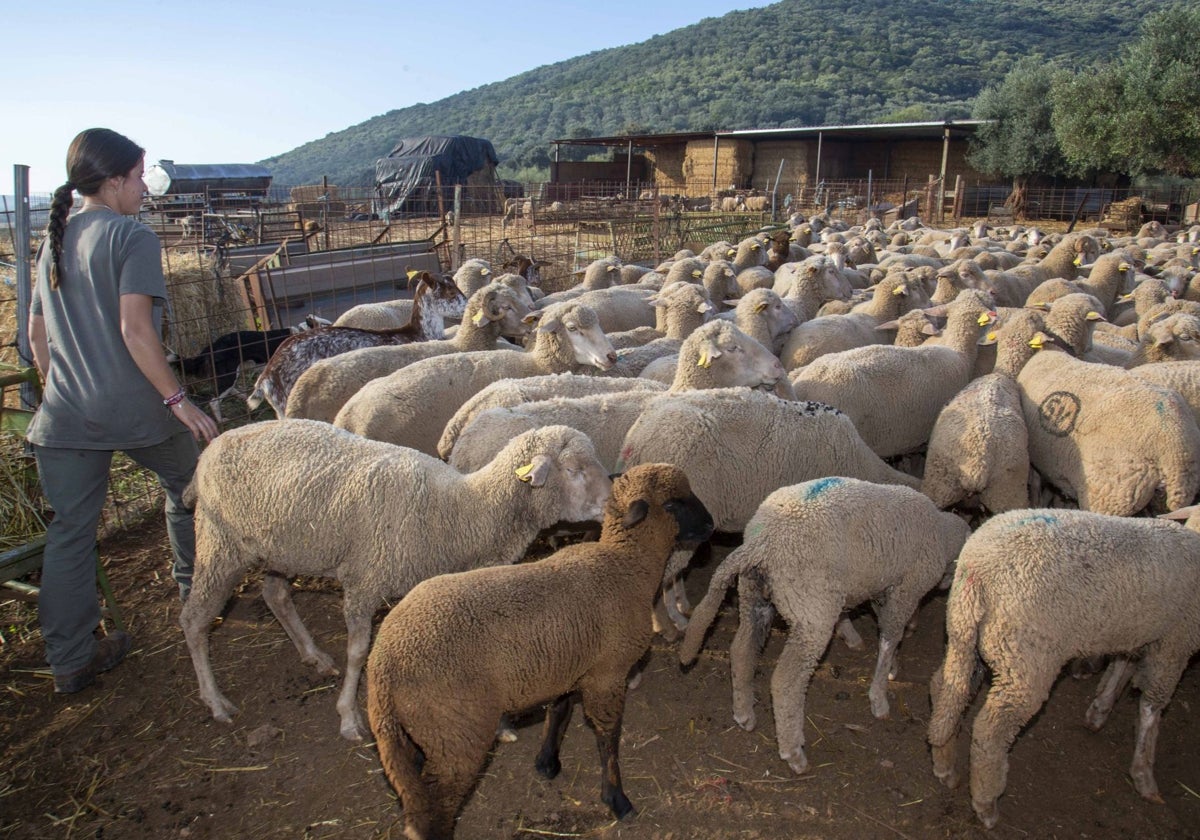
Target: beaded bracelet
{"x": 175, "y": 399}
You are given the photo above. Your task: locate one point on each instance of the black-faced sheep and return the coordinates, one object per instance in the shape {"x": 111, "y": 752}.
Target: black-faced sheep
{"x": 504, "y": 639}
{"x": 389, "y": 518}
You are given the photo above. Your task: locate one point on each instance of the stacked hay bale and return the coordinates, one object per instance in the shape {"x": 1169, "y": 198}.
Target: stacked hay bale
{"x": 204, "y": 302}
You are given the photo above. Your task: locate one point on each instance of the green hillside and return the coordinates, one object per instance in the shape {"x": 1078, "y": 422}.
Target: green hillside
{"x": 797, "y": 62}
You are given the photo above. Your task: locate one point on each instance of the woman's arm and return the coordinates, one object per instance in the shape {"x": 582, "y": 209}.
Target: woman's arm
{"x": 39, "y": 344}
{"x": 137, "y": 329}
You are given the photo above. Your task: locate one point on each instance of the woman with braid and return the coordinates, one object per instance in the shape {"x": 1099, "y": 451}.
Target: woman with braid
{"x": 95, "y": 328}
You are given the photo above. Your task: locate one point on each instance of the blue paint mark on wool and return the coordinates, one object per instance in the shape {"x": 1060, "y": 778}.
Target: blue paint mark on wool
{"x": 816, "y": 488}
{"x": 1043, "y": 518}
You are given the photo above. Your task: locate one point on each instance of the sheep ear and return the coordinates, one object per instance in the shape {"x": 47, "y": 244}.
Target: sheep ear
{"x": 1181, "y": 514}
{"x": 1165, "y": 339}
{"x": 733, "y": 302}
{"x": 549, "y": 326}
{"x": 931, "y": 329}
{"x": 708, "y": 352}
{"x": 938, "y": 311}
{"x": 637, "y": 511}
{"x": 987, "y": 338}
{"x": 704, "y": 307}
{"x": 889, "y": 325}
{"x": 531, "y": 318}
{"x": 534, "y": 473}
{"x": 761, "y": 307}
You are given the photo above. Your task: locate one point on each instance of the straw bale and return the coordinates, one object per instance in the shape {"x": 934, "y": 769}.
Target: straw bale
{"x": 204, "y": 303}
{"x": 312, "y": 193}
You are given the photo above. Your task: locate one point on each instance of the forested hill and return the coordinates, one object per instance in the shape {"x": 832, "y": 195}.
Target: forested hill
{"x": 797, "y": 62}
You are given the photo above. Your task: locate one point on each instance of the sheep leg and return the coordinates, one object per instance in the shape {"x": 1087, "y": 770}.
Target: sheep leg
{"x": 1111, "y": 685}
{"x": 672, "y": 596}
{"x": 807, "y": 639}
{"x": 755, "y": 613}
{"x": 894, "y": 615}
{"x": 358, "y": 640}
{"x": 558, "y": 715}
{"x": 602, "y": 708}
{"x": 1013, "y": 699}
{"x": 848, "y": 634}
{"x": 661, "y": 620}
{"x": 1160, "y": 673}
{"x": 950, "y": 690}
{"x": 211, "y": 587}
{"x": 505, "y": 731}
{"x": 277, "y": 593}
{"x": 1142, "y": 768}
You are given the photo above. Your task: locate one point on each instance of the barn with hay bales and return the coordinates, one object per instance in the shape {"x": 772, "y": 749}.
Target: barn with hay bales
{"x": 419, "y": 174}
{"x": 793, "y": 160}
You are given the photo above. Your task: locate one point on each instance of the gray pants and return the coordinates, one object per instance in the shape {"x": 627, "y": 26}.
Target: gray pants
{"x": 75, "y": 482}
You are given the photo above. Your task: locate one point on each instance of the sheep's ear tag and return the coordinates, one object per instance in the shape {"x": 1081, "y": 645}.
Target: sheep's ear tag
{"x": 1078, "y": 259}
{"x": 760, "y": 308}
{"x": 412, "y": 274}
{"x": 988, "y": 338}
{"x": 900, "y": 290}
{"x": 1123, "y": 267}
{"x": 485, "y": 271}
{"x": 1094, "y": 316}
{"x": 697, "y": 273}
{"x": 985, "y": 319}
{"x": 525, "y": 473}
{"x": 704, "y": 361}
{"x": 1038, "y": 341}
{"x": 477, "y": 318}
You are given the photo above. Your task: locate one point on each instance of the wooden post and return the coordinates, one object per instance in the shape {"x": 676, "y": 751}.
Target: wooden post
{"x": 958, "y": 197}
{"x": 455, "y": 255}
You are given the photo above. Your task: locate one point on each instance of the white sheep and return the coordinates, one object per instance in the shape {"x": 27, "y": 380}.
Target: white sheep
{"x": 811, "y": 551}
{"x": 762, "y": 315}
{"x": 1077, "y": 414}
{"x": 1174, "y": 337}
{"x": 1036, "y": 588}
{"x": 494, "y": 311}
{"x": 473, "y": 275}
{"x": 718, "y": 355}
{"x": 412, "y": 406}
{"x": 894, "y": 295}
{"x": 434, "y": 300}
{"x": 390, "y": 518}
{"x": 738, "y": 446}
{"x": 468, "y": 637}
{"x": 979, "y": 446}
{"x": 894, "y": 394}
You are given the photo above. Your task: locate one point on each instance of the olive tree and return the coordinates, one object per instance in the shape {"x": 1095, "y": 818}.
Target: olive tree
{"x": 1141, "y": 113}
{"x": 1017, "y": 139}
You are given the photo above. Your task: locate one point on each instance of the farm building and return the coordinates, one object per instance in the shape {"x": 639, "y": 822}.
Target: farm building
{"x": 419, "y": 175}
{"x": 185, "y": 188}
{"x": 703, "y": 163}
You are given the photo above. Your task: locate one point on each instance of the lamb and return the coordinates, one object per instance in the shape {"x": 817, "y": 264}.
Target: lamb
{"x": 762, "y": 315}
{"x": 411, "y": 406}
{"x": 720, "y": 280}
{"x": 508, "y": 393}
{"x": 306, "y": 471}
{"x": 1175, "y": 337}
{"x": 1035, "y": 588}
{"x": 585, "y": 608}
{"x": 806, "y": 285}
{"x": 1077, "y": 412}
{"x": 472, "y": 276}
{"x": 321, "y": 391}
{"x": 717, "y": 355}
{"x": 912, "y": 328}
{"x": 894, "y": 394}
{"x": 808, "y": 554}
{"x": 979, "y": 446}
{"x": 772, "y": 442}
{"x": 434, "y": 300}
{"x": 892, "y": 297}
{"x": 748, "y": 253}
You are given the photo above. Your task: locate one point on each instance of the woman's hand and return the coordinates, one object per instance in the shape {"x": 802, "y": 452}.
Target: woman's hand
{"x": 199, "y": 424}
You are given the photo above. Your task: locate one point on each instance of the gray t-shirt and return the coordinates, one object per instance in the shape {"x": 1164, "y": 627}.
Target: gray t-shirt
{"x": 95, "y": 395}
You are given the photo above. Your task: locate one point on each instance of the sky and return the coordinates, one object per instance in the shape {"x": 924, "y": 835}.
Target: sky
{"x": 237, "y": 82}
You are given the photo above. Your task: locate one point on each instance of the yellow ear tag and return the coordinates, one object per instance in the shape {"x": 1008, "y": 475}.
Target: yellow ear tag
{"x": 899, "y": 290}
{"x": 1036, "y": 342}
{"x": 704, "y": 361}
{"x": 523, "y": 472}
{"x": 991, "y": 336}
{"x": 411, "y": 274}
{"x": 478, "y": 317}
{"x": 760, "y": 308}
{"x": 1123, "y": 267}
{"x": 984, "y": 319}
{"x": 485, "y": 271}
{"x": 1078, "y": 259}
{"x": 697, "y": 273}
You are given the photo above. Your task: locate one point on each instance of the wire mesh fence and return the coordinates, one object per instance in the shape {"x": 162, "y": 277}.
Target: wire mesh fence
{"x": 266, "y": 261}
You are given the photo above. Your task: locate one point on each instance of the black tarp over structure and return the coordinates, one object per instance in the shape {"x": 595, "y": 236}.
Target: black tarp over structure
{"x": 406, "y": 180}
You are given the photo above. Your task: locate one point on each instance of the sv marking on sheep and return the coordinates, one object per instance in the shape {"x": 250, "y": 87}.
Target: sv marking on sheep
{"x": 1059, "y": 413}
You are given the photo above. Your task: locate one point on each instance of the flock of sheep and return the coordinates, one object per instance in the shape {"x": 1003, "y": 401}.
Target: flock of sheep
{"x": 877, "y": 411}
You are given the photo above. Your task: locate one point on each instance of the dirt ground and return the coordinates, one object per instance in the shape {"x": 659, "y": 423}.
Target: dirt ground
{"x": 138, "y": 755}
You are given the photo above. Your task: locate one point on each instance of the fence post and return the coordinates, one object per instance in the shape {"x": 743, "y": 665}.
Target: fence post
{"x": 455, "y": 250}
{"x": 21, "y": 234}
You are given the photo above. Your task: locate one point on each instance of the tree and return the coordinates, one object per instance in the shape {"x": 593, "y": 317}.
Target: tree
{"x": 1017, "y": 140}
{"x": 1140, "y": 114}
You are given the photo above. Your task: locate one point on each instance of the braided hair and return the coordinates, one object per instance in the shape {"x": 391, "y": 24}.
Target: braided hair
{"x": 95, "y": 155}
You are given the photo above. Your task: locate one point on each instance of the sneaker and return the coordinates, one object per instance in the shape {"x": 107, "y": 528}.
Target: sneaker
{"x": 109, "y": 652}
